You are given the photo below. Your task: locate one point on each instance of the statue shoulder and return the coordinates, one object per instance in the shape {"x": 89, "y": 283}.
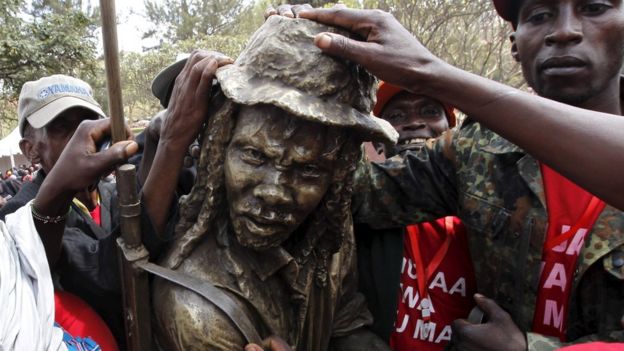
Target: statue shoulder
{"x": 187, "y": 321}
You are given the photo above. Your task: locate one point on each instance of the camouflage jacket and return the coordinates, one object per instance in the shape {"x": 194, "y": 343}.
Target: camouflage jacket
{"x": 497, "y": 191}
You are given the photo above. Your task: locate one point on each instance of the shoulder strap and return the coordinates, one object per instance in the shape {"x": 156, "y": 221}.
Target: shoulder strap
{"x": 211, "y": 293}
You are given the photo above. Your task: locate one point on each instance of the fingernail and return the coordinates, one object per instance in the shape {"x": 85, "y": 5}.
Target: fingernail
{"x": 131, "y": 148}
{"x": 479, "y": 296}
{"x": 323, "y": 41}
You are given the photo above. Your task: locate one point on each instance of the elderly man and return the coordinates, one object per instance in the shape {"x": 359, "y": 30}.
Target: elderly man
{"x": 30, "y": 319}
{"x": 50, "y": 110}
{"x": 547, "y": 251}
{"x": 268, "y": 221}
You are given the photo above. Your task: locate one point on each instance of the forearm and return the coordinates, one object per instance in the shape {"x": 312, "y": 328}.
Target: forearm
{"x": 567, "y": 138}
{"x": 52, "y": 202}
{"x": 160, "y": 186}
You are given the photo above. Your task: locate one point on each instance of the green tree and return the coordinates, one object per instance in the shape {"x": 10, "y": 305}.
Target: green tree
{"x": 176, "y": 20}
{"x": 33, "y": 47}
{"x": 466, "y": 33}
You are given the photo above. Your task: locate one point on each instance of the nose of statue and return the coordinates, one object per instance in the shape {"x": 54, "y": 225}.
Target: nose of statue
{"x": 273, "y": 194}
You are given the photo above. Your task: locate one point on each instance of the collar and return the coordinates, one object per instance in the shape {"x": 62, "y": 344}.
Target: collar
{"x": 263, "y": 263}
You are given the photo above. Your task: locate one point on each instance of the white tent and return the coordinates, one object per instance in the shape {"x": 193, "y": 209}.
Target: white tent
{"x": 9, "y": 146}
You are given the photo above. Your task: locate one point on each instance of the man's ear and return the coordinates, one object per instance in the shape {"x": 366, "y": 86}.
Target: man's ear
{"x": 514, "y": 47}
{"x": 29, "y": 150}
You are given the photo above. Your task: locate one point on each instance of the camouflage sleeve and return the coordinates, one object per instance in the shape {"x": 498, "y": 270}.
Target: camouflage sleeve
{"x": 413, "y": 187}
{"x": 538, "y": 342}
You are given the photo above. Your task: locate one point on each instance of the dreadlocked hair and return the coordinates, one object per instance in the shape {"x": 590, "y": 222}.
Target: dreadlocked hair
{"x": 330, "y": 222}
{"x": 205, "y": 203}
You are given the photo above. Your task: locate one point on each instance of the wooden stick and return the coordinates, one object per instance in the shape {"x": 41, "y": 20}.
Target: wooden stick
{"x": 111, "y": 62}
{"x": 135, "y": 283}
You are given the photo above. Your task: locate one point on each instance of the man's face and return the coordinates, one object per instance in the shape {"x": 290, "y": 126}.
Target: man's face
{"x": 416, "y": 118}
{"x": 275, "y": 175}
{"x": 51, "y": 139}
{"x": 571, "y": 50}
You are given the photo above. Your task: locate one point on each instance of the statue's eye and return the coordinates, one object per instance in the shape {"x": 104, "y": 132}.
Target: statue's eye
{"x": 253, "y": 156}
{"x": 311, "y": 171}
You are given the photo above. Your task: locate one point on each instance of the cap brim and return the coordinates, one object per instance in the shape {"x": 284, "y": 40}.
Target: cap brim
{"x": 236, "y": 82}
{"x": 49, "y": 112}
{"x": 164, "y": 80}
{"x": 384, "y": 94}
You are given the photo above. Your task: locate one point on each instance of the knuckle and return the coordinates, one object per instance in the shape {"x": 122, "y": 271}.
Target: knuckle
{"x": 341, "y": 43}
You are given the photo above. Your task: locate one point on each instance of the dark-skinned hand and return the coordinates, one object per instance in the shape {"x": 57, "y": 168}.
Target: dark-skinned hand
{"x": 498, "y": 333}
{"x": 272, "y": 343}
{"x": 188, "y": 106}
{"x": 79, "y": 166}
{"x": 379, "y": 43}
{"x": 187, "y": 111}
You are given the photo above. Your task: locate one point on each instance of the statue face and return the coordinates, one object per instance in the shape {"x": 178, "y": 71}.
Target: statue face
{"x": 275, "y": 174}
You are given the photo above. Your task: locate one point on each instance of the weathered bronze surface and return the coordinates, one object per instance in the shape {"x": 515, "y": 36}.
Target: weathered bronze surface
{"x": 268, "y": 220}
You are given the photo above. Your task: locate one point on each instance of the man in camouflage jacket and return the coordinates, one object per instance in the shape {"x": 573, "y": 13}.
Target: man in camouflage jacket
{"x": 496, "y": 189}
{"x": 570, "y": 52}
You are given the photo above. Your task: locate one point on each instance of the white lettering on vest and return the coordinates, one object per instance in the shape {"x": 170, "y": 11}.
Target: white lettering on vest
{"x": 459, "y": 286}
{"x": 411, "y": 294}
{"x": 423, "y": 333}
{"x": 553, "y": 315}
{"x": 445, "y": 335}
{"x": 439, "y": 282}
{"x": 556, "y": 277}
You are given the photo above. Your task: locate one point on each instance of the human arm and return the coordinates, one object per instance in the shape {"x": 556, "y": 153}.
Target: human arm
{"x": 500, "y": 332}
{"x": 185, "y": 115}
{"x": 79, "y": 167}
{"x": 391, "y": 53}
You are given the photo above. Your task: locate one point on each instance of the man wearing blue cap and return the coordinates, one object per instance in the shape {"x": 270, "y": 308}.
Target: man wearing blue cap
{"x": 548, "y": 253}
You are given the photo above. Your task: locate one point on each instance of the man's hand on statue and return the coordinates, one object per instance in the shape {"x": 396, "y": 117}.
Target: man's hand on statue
{"x": 379, "y": 43}
{"x": 272, "y": 343}
{"x": 188, "y": 106}
{"x": 498, "y": 333}
{"x": 286, "y": 10}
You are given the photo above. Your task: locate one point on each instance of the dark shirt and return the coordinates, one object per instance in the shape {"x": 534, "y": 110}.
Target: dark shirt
{"x": 379, "y": 257}
{"x": 88, "y": 266}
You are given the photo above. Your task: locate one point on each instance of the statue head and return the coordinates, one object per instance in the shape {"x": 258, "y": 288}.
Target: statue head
{"x": 280, "y": 146}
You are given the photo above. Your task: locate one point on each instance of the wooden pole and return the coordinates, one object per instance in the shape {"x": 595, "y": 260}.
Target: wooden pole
{"x": 111, "y": 62}
{"x": 135, "y": 283}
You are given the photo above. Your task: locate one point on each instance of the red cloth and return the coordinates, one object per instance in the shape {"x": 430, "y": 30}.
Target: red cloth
{"x": 96, "y": 214}
{"x": 595, "y": 346}
{"x": 574, "y": 211}
{"x": 78, "y": 319}
{"x": 450, "y": 286}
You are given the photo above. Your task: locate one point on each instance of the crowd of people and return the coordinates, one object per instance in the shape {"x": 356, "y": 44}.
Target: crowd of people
{"x": 12, "y": 179}
{"x": 502, "y": 232}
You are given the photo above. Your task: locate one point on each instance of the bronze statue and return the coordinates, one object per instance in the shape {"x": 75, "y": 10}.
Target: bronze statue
{"x": 268, "y": 221}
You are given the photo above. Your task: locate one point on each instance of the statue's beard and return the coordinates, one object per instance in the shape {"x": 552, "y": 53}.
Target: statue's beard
{"x": 249, "y": 232}
{"x": 259, "y": 243}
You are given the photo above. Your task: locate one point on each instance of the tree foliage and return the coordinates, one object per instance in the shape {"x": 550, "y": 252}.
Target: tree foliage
{"x": 43, "y": 37}
{"x": 465, "y": 33}
{"x": 34, "y": 46}
{"x": 177, "y": 20}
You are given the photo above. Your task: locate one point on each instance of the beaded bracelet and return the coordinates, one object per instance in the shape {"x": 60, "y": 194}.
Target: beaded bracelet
{"x": 48, "y": 219}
